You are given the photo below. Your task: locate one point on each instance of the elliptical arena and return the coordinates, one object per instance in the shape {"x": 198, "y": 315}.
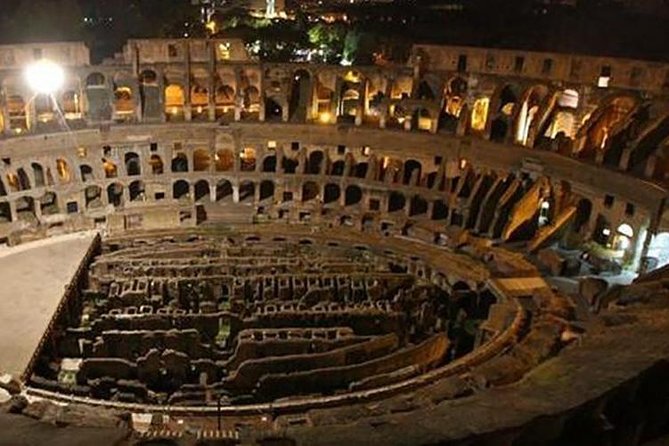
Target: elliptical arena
{"x": 437, "y": 253}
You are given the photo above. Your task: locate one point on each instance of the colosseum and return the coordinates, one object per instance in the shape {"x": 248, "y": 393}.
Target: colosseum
{"x": 202, "y": 249}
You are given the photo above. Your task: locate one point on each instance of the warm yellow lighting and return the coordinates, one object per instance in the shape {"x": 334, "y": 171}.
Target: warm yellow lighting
{"x": 110, "y": 169}
{"x": 248, "y": 153}
{"x": 224, "y": 51}
{"x": 211, "y": 26}
{"x": 352, "y": 76}
{"x": 480, "y": 113}
{"x": 63, "y": 170}
{"x": 508, "y": 109}
{"x": 325, "y": 117}
{"x": 13, "y": 180}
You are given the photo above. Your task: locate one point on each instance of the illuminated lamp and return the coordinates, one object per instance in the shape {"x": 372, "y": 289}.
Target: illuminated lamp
{"x": 45, "y": 77}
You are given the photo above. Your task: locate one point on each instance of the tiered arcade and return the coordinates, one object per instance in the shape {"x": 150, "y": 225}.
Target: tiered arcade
{"x": 343, "y": 249}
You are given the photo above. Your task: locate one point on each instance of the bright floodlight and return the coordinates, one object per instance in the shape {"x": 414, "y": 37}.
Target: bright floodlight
{"x": 45, "y": 76}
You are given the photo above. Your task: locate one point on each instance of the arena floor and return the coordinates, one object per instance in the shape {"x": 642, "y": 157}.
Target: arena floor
{"x": 33, "y": 276}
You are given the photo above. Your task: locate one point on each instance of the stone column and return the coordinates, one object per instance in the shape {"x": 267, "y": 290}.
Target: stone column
{"x": 12, "y": 210}
{"x": 6, "y": 124}
{"x": 313, "y": 113}
{"x": 212, "y": 191}
{"x": 239, "y": 96}
{"x": 235, "y": 193}
{"x": 211, "y": 87}
{"x": 187, "y": 83}
{"x": 37, "y": 209}
{"x": 161, "y": 94}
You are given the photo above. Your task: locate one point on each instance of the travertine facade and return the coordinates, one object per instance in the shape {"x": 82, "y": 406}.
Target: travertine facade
{"x": 302, "y": 240}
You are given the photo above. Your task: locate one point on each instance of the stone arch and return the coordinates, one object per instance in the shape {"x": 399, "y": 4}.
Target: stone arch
{"x": 201, "y": 160}
{"x": 150, "y": 94}
{"x": 70, "y": 103}
{"x": 148, "y": 77}
{"x": 115, "y": 194}
{"x": 224, "y": 160}
{"x": 332, "y": 193}
{"x": 527, "y": 114}
{"x": 269, "y": 163}
{"x": 422, "y": 119}
{"x": 439, "y": 210}
{"x": 273, "y": 110}
{"x": 479, "y": 115}
{"x": 454, "y": 97}
{"x": 137, "y": 190}
{"x": 349, "y": 101}
{"x": 110, "y": 169}
{"x": 310, "y": 191}
{"x": 199, "y": 99}
{"x": 338, "y": 168}
{"x": 64, "y": 171}
{"x": 314, "y": 162}
{"x": 396, "y": 202}
{"x": 133, "y": 165}
{"x": 300, "y": 95}
{"x": 156, "y": 163}
{"x": 49, "y": 203}
{"x": 38, "y": 174}
{"x": 251, "y": 99}
{"x": 248, "y": 160}
{"x": 96, "y": 80}
{"x": 24, "y": 180}
{"x": 246, "y": 191}
{"x": 224, "y": 191}
{"x": 417, "y": 206}
{"x": 13, "y": 182}
{"x": 424, "y": 92}
{"x": 411, "y": 166}
{"x": 180, "y": 190}
{"x": 25, "y": 209}
{"x": 224, "y": 100}
{"x": 353, "y": 195}
{"x": 202, "y": 191}
{"x": 597, "y": 132}
{"x": 124, "y": 103}
{"x": 266, "y": 190}
{"x": 175, "y": 100}
{"x": 359, "y": 170}
{"x": 93, "y": 197}
{"x": 507, "y": 99}
{"x": 86, "y": 172}
{"x": 289, "y": 165}
{"x": 16, "y": 109}
{"x": 5, "y": 212}
{"x": 180, "y": 162}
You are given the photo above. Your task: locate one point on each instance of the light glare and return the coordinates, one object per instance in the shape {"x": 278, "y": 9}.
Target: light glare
{"x": 45, "y": 76}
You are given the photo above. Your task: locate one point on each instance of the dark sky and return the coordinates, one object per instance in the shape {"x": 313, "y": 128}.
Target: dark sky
{"x": 595, "y": 26}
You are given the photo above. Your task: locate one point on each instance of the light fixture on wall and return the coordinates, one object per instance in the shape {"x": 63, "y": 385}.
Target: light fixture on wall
{"x": 45, "y": 76}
